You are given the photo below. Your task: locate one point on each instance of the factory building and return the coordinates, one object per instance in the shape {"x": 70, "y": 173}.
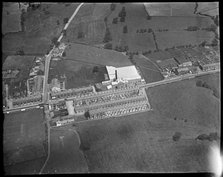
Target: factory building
{"x": 126, "y": 73}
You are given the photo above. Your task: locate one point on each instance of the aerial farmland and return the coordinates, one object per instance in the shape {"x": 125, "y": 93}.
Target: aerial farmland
{"x": 110, "y": 87}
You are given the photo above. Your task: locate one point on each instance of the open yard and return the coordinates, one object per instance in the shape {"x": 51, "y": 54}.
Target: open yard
{"x": 144, "y": 142}
{"x": 23, "y": 140}
{"x": 65, "y": 156}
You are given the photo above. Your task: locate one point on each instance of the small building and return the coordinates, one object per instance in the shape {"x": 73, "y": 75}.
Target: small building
{"x": 168, "y": 64}
{"x": 211, "y": 66}
{"x": 10, "y": 74}
{"x": 186, "y": 64}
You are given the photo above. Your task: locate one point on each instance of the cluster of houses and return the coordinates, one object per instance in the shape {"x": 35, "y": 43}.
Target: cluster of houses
{"x": 188, "y": 61}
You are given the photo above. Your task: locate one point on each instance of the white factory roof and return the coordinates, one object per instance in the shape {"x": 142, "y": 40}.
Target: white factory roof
{"x": 126, "y": 73}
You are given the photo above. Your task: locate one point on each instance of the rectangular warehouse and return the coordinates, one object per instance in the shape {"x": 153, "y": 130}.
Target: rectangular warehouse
{"x": 125, "y": 73}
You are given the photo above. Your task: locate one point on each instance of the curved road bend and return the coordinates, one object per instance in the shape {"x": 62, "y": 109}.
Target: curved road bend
{"x": 46, "y": 73}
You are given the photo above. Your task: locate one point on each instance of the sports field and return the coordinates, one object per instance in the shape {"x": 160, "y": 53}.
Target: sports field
{"x": 24, "y": 135}
{"x": 144, "y": 141}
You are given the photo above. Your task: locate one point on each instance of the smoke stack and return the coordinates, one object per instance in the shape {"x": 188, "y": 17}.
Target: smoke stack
{"x": 116, "y": 75}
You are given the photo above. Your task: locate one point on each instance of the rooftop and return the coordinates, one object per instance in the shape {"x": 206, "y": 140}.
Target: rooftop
{"x": 127, "y": 72}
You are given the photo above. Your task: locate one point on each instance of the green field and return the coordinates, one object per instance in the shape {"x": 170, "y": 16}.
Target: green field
{"x": 89, "y": 21}
{"x": 41, "y": 25}
{"x": 177, "y": 38}
{"x": 78, "y": 74}
{"x": 23, "y": 140}
{"x": 136, "y": 19}
{"x": 96, "y": 55}
{"x": 143, "y": 142}
{"x": 149, "y": 71}
{"x": 65, "y": 156}
{"x": 170, "y": 9}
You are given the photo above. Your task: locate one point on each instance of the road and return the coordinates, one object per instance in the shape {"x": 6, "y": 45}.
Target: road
{"x": 24, "y": 107}
{"x": 45, "y": 85}
{"x": 70, "y": 20}
{"x": 178, "y": 78}
{"x": 48, "y": 58}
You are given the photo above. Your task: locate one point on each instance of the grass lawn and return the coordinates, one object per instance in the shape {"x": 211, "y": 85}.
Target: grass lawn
{"x": 65, "y": 156}
{"x": 24, "y": 135}
{"x": 209, "y": 8}
{"x": 143, "y": 142}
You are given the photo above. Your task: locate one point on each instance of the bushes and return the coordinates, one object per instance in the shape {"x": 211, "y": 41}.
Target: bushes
{"x": 108, "y": 46}
{"x": 115, "y": 20}
{"x": 107, "y": 37}
{"x": 192, "y": 28}
{"x": 125, "y": 29}
{"x": 176, "y": 136}
{"x": 211, "y": 137}
{"x": 65, "y": 20}
{"x": 112, "y": 7}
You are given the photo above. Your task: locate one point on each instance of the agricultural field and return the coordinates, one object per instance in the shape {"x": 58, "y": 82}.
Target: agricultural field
{"x": 90, "y": 23}
{"x": 96, "y": 55}
{"x": 136, "y": 19}
{"x": 65, "y": 156}
{"x": 149, "y": 71}
{"x": 23, "y": 140}
{"x": 176, "y": 38}
{"x": 144, "y": 142}
{"x": 209, "y": 8}
{"x": 11, "y": 21}
{"x": 40, "y": 27}
{"x": 170, "y": 9}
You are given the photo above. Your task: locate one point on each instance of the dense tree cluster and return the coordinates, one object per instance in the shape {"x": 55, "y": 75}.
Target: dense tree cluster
{"x": 112, "y": 7}
{"x": 108, "y": 46}
{"x": 65, "y": 20}
{"x": 149, "y": 30}
{"x": 192, "y": 28}
{"x": 125, "y": 29}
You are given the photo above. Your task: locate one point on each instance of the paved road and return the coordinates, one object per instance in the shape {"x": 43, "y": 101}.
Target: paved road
{"x": 23, "y": 107}
{"x": 49, "y": 56}
{"x": 178, "y": 78}
{"x": 45, "y": 89}
{"x": 70, "y": 20}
